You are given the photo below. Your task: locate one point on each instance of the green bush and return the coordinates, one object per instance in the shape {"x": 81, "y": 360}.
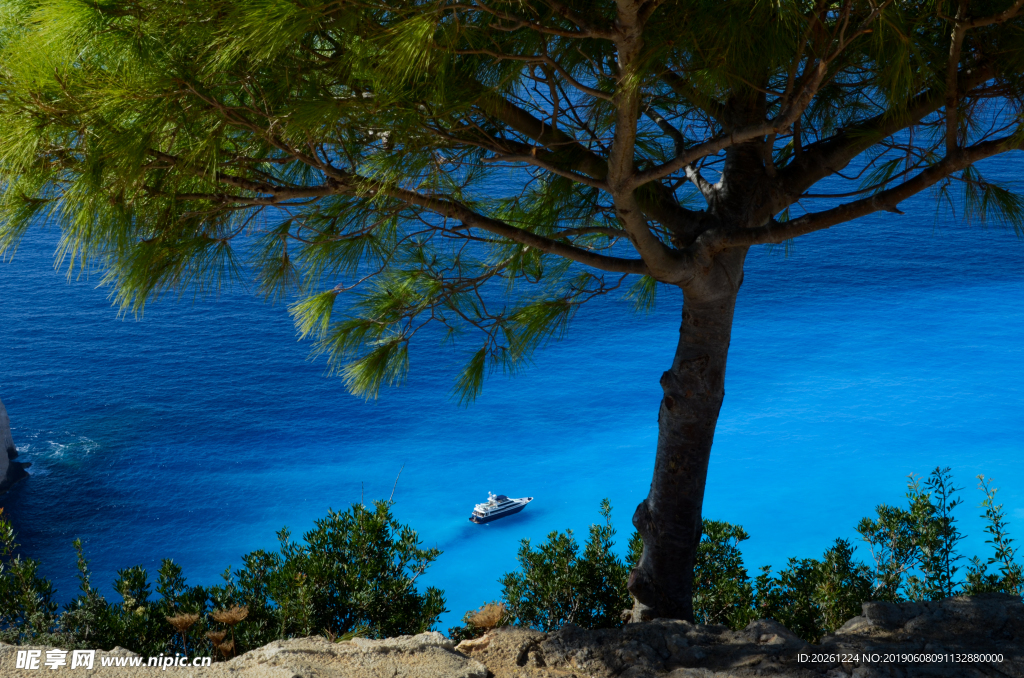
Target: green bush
{"x": 1010, "y": 578}
{"x": 356, "y": 571}
{"x": 722, "y": 592}
{"x": 914, "y": 553}
{"x": 353, "y": 573}
{"x": 915, "y": 549}
{"x": 813, "y": 597}
{"x": 557, "y": 585}
{"x": 809, "y": 597}
{"x": 27, "y": 609}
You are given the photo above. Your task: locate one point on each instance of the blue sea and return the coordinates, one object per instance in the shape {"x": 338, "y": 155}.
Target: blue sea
{"x": 861, "y": 354}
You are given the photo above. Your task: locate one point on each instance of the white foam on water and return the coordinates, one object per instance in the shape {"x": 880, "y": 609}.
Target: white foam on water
{"x": 48, "y": 451}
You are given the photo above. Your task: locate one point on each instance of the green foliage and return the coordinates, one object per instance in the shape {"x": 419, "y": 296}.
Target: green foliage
{"x": 914, "y": 550}
{"x": 810, "y": 597}
{"x": 722, "y": 592}
{"x": 27, "y": 609}
{"x": 636, "y": 549}
{"x": 813, "y": 597}
{"x": 1010, "y": 578}
{"x": 353, "y": 574}
{"x": 355, "y": 570}
{"x": 444, "y": 166}
{"x": 558, "y": 585}
{"x": 939, "y": 546}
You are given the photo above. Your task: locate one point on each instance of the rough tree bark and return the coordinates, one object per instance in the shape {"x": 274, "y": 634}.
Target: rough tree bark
{"x": 669, "y": 519}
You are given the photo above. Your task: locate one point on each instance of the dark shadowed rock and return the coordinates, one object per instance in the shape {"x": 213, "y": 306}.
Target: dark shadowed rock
{"x": 10, "y": 471}
{"x": 941, "y": 638}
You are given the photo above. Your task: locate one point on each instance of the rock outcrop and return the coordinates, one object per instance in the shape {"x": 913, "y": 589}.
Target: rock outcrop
{"x": 10, "y": 470}
{"x": 957, "y": 637}
{"x": 428, "y": 655}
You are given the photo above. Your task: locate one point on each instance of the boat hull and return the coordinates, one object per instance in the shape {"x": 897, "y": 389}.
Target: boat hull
{"x": 504, "y": 514}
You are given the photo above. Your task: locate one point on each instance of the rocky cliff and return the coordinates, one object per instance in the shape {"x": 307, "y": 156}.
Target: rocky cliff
{"x": 957, "y": 637}
{"x": 10, "y": 471}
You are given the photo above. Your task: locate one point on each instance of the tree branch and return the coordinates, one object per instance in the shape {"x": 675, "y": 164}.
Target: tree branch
{"x": 587, "y": 30}
{"x": 536, "y": 161}
{"x": 887, "y": 200}
{"x": 567, "y": 152}
{"x": 1002, "y": 17}
{"x": 708, "y": 105}
{"x": 455, "y": 210}
{"x": 356, "y": 185}
{"x": 794, "y": 105}
{"x": 706, "y": 188}
{"x": 829, "y": 156}
{"x": 952, "y": 81}
{"x": 621, "y": 168}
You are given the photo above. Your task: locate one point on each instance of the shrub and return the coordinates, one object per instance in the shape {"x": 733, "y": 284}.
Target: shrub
{"x": 1010, "y": 578}
{"x": 354, "y": 573}
{"x": 722, "y": 592}
{"x": 914, "y": 553}
{"x": 915, "y": 556}
{"x": 557, "y": 585}
{"x": 27, "y": 609}
{"x": 915, "y": 549}
{"x": 813, "y": 597}
{"x": 90, "y": 621}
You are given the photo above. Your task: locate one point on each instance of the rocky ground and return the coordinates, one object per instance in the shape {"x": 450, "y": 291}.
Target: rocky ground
{"x": 957, "y": 637}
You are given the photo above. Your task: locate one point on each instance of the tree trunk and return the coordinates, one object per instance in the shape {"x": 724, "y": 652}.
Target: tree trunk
{"x": 669, "y": 520}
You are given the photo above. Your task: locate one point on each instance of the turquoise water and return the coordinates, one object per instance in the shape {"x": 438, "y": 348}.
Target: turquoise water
{"x": 871, "y": 351}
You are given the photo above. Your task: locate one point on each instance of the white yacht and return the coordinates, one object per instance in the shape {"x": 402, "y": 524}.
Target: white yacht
{"x": 498, "y": 506}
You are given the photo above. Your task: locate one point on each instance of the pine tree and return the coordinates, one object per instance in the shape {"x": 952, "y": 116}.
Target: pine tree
{"x": 476, "y": 170}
